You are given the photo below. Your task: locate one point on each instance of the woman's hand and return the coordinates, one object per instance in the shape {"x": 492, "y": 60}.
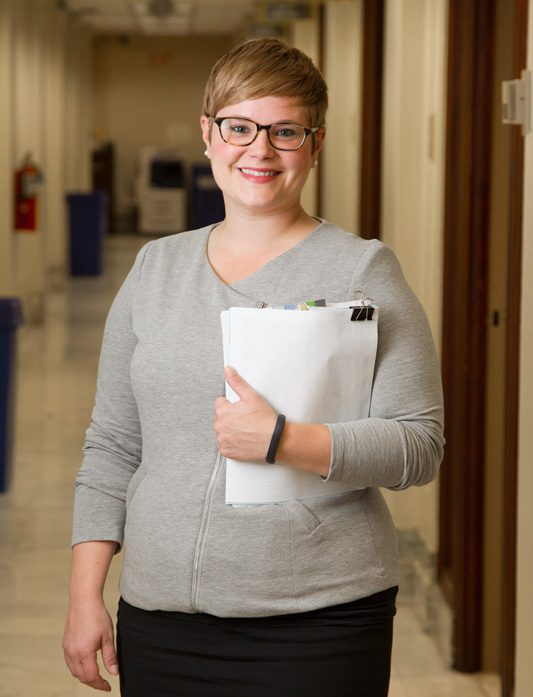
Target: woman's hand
{"x": 244, "y": 428}
{"x": 89, "y": 629}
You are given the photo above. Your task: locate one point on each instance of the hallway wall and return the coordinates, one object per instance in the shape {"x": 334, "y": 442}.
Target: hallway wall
{"x": 524, "y": 609}
{"x": 45, "y": 87}
{"x": 413, "y": 186}
{"x": 6, "y": 137}
{"x": 305, "y": 36}
{"x": 340, "y": 159}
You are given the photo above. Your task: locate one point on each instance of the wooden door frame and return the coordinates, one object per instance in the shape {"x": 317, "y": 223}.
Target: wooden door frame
{"x": 466, "y": 234}
{"x": 468, "y": 154}
{"x": 369, "y": 224}
{"x": 513, "y": 369}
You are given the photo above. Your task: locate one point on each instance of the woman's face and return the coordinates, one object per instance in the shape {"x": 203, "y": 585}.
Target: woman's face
{"x": 257, "y": 177}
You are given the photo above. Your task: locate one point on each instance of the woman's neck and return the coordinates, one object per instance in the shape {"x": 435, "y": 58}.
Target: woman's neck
{"x": 243, "y": 243}
{"x": 260, "y": 234}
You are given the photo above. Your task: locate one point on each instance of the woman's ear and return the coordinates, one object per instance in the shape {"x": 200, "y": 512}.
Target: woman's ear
{"x": 319, "y": 140}
{"x": 205, "y": 124}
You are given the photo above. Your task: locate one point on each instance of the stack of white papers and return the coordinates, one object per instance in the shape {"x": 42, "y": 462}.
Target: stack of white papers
{"x": 314, "y": 367}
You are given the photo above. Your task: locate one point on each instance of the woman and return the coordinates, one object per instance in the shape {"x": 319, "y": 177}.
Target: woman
{"x": 285, "y": 599}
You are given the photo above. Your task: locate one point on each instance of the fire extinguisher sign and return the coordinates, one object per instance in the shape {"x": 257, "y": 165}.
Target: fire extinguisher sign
{"x": 28, "y": 178}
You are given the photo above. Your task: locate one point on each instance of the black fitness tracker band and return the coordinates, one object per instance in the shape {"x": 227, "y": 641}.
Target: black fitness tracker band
{"x": 274, "y": 441}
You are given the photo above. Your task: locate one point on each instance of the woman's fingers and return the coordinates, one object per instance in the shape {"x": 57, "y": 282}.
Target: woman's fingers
{"x": 243, "y": 428}
{"x": 237, "y": 383}
{"x": 109, "y": 655}
{"x": 86, "y": 669}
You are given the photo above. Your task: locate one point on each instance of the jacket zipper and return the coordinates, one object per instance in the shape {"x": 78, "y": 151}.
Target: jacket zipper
{"x": 202, "y": 535}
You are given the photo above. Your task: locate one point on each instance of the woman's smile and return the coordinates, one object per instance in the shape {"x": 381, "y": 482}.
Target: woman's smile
{"x": 259, "y": 176}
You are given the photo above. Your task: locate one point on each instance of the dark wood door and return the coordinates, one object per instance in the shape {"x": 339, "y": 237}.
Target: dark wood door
{"x": 471, "y": 159}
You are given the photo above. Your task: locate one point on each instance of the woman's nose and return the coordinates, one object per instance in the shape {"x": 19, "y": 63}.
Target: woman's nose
{"x": 261, "y": 147}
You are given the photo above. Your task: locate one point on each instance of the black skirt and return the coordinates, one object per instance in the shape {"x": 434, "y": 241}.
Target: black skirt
{"x": 339, "y": 651}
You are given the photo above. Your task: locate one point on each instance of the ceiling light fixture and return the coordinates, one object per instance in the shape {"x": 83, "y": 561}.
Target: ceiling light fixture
{"x": 170, "y": 17}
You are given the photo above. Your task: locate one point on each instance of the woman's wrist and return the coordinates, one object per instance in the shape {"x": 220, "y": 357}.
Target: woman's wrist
{"x": 275, "y": 440}
{"x": 306, "y": 447}
{"x": 90, "y": 564}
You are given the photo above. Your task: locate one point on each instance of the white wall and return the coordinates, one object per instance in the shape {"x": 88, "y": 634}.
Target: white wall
{"x": 148, "y": 92}
{"x": 340, "y": 159}
{"x": 7, "y": 282}
{"x": 78, "y": 107}
{"x": 28, "y": 137}
{"x": 524, "y": 608}
{"x": 34, "y": 60}
{"x": 53, "y": 212}
{"x": 305, "y": 36}
{"x": 413, "y": 184}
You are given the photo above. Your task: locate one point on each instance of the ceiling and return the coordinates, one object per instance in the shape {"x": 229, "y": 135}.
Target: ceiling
{"x": 176, "y": 17}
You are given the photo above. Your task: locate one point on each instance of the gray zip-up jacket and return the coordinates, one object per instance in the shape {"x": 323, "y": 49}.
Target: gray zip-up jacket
{"x": 153, "y": 480}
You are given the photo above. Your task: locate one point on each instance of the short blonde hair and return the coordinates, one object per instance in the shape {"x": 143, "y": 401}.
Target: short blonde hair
{"x": 266, "y": 67}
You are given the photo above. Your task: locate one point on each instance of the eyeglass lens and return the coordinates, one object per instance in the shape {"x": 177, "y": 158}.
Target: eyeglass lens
{"x": 285, "y": 136}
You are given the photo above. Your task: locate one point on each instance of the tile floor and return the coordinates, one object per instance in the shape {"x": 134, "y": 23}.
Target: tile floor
{"x": 56, "y": 373}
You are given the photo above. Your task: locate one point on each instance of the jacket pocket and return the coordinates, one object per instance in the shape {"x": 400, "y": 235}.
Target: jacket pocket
{"x": 336, "y": 542}
{"x": 302, "y": 517}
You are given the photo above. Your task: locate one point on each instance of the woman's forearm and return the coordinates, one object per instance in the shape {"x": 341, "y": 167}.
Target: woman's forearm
{"x": 90, "y": 565}
{"x": 306, "y": 447}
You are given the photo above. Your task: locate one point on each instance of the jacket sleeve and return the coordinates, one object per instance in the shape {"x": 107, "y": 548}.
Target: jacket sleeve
{"x": 113, "y": 443}
{"x": 401, "y": 443}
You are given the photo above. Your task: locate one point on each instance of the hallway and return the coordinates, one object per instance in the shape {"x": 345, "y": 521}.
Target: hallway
{"x": 56, "y": 376}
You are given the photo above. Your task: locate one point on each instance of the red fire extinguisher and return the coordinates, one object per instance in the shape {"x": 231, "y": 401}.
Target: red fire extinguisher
{"x": 28, "y": 177}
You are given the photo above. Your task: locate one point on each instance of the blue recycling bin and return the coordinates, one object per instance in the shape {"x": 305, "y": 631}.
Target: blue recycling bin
{"x": 87, "y": 215}
{"x": 207, "y": 204}
{"x": 10, "y": 319}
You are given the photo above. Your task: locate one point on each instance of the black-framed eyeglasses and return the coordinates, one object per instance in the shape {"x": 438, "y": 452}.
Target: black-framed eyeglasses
{"x": 281, "y": 136}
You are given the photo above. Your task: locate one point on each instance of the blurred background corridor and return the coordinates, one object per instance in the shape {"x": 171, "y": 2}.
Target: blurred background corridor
{"x": 100, "y": 151}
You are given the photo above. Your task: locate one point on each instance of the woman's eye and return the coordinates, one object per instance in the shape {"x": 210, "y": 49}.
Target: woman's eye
{"x": 240, "y": 129}
{"x": 286, "y": 132}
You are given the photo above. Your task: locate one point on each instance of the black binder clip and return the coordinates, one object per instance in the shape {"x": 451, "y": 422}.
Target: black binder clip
{"x": 361, "y": 312}
{"x": 362, "y": 309}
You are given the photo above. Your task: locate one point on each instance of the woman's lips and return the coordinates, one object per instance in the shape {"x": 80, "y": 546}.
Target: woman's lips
{"x": 258, "y": 175}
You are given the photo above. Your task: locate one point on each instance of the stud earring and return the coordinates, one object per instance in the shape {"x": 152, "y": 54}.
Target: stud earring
{"x": 207, "y": 153}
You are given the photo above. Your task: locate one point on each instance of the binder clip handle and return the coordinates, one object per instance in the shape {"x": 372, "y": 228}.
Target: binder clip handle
{"x": 362, "y": 309}
{"x": 361, "y": 313}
